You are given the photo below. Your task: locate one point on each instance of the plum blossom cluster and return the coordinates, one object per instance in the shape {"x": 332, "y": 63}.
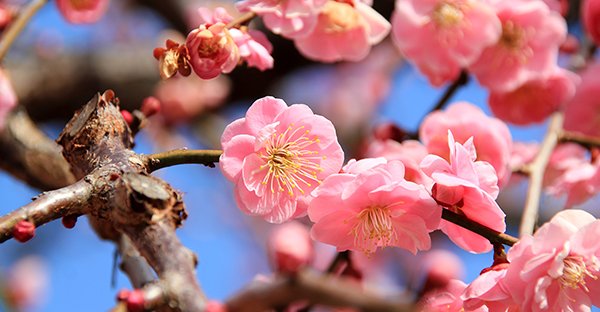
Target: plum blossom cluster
{"x": 214, "y": 48}
{"x": 510, "y": 46}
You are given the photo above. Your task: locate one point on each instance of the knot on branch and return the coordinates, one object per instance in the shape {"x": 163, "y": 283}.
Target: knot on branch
{"x": 151, "y": 200}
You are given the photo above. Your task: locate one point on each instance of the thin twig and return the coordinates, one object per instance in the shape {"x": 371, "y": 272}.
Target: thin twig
{"x": 182, "y": 156}
{"x": 536, "y": 171}
{"x": 492, "y": 235}
{"x": 581, "y": 139}
{"x": 17, "y": 25}
{"x": 241, "y": 20}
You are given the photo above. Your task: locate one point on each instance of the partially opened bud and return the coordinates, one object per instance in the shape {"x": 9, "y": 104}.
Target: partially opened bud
{"x": 289, "y": 247}
{"x": 23, "y": 231}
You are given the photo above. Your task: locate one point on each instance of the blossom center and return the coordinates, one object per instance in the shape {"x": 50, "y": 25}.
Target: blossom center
{"x": 574, "y": 273}
{"x": 447, "y": 14}
{"x": 291, "y": 160}
{"x": 83, "y": 4}
{"x": 513, "y": 37}
{"x": 339, "y": 17}
{"x": 374, "y": 225}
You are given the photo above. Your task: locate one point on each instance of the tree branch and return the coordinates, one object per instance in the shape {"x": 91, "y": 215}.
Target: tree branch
{"x": 157, "y": 161}
{"x": 17, "y": 25}
{"x": 536, "y": 171}
{"x": 581, "y": 139}
{"x": 492, "y": 235}
{"x": 74, "y": 199}
{"x": 324, "y": 290}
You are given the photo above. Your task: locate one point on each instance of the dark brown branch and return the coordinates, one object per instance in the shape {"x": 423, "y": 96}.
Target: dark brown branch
{"x": 182, "y": 156}
{"x": 492, "y": 235}
{"x": 71, "y": 200}
{"x": 581, "y": 139}
{"x": 323, "y": 290}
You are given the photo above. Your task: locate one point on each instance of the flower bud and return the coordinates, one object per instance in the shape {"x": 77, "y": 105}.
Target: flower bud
{"x": 23, "y": 231}
{"x": 215, "y": 306}
{"x": 69, "y": 221}
{"x": 136, "y": 301}
{"x": 123, "y": 294}
{"x": 127, "y": 116}
{"x": 289, "y": 247}
{"x": 150, "y": 106}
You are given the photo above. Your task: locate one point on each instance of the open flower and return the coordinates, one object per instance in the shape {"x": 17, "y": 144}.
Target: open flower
{"x": 466, "y": 187}
{"x": 370, "y": 205}
{"x": 557, "y": 269}
{"x": 444, "y": 36}
{"x": 277, "y": 155}
{"x": 345, "y": 30}
{"x": 212, "y": 50}
{"x": 82, "y": 11}
{"x": 172, "y": 60}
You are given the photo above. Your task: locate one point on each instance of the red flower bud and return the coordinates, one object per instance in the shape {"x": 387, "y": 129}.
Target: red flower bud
{"x": 150, "y": 106}
{"x": 136, "y": 301}
{"x": 23, "y": 231}
{"x": 215, "y": 306}
{"x": 290, "y": 248}
{"x": 69, "y": 221}
{"x": 127, "y": 116}
{"x": 123, "y": 294}
{"x": 590, "y": 11}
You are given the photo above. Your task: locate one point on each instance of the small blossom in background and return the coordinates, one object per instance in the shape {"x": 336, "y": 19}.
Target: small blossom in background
{"x": 289, "y": 247}
{"x": 290, "y": 19}
{"x": 590, "y": 14}
{"x": 442, "y": 37}
{"x": 436, "y": 268}
{"x": 370, "y": 205}
{"x": 491, "y": 136}
{"x": 254, "y": 48}
{"x": 446, "y": 299}
{"x": 536, "y": 99}
{"x": 174, "y": 59}
{"x": 277, "y": 155}
{"x": 345, "y": 30}
{"x": 527, "y": 48}
{"x": 557, "y": 268}
{"x": 8, "y": 98}
{"x": 582, "y": 113}
{"x": 466, "y": 187}
{"x": 82, "y": 11}
{"x": 212, "y": 50}
{"x": 26, "y": 284}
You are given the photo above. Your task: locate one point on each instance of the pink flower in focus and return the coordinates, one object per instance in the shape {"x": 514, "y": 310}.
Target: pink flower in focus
{"x": 82, "y": 11}
{"x": 444, "y": 36}
{"x": 466, "y": 187}
{"x": 277, "y": 155}
{"x": 491, "y": 136}
{"x": 445, "y": 299}
{"x": 8, "y": 98}
{"x": 373, "y": 206}
{"x": 212, "y": 50}
{"x": 344, "y": 31}
{"x": 582, "y": 113}
{"x": 291, "y": 19}
{"x": 527, "y": 48}
{"x": 254, "y": 48}
{"x": 289, "y": 247}
{"x": 410, "y": 153}
{"x": 557, "y": 268}
{"x": 590, "y": 14}
{"x": 536, "y": 99}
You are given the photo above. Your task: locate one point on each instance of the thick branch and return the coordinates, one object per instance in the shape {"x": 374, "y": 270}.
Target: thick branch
{"x": 324, "y": 290}
{"x": 492, "y": 235}
{"x": 133, "y": 264}
{"x": 181, "y": 156}
{"x": 71, "y": 200}
{"x": 536, "y": 171}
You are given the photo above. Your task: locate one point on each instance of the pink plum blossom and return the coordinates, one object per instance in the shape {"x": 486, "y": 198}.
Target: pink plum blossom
{"x": 82, "y": 11}
{"x": 25, "y": 285}
{"x": 212, "y": 50}
{"x": 444, "y": 36}
{"x": 289, "y": 247}
{"x": 527, "y": 48}
{"x": 582, "y": 113}
{"x": 253, "y": 45}
{"x": 370, "y": 205}
{"x": 277, "y": 155}
{"x": 254, "y": 48}
{"x": 438, "y": 267}
{"x": 409, "y": 152}
{"x": 491, "y": 136}
{"x": 557, "y": 268}
{"x": 8, "y": 98}
{"x": 487, "y": 290}
{"x": 466, "y": 187}
{"x": 291, "y": 19}
{"x": 344, "y": 31}
{"x": 535, "y": 100}
{"x": 446, "y": 299}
